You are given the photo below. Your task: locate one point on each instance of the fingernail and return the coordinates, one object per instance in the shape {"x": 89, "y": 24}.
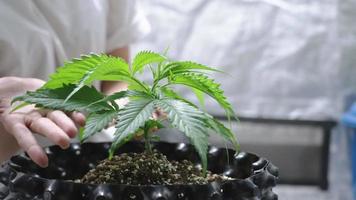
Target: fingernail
{"x": 72, "y": 133}
{"x": 65, "y": 146}
{"x": 44, "y": 163}
{"x": 37, "y": 154}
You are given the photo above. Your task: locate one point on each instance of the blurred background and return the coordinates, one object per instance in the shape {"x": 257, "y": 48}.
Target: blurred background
{"x": 290, "y": 73}
{"x": 289, "y": 69}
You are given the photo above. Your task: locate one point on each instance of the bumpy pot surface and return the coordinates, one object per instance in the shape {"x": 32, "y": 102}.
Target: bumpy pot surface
{"x": 20, "y": 178}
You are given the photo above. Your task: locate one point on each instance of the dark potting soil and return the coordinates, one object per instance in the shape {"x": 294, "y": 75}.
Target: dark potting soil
{"x": 147, "y": 169}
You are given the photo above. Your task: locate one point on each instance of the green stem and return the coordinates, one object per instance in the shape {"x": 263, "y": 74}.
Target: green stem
{"x": 148, "y": 147}
{"x": 142, "y": 85}
{"x": 155, "y": 83}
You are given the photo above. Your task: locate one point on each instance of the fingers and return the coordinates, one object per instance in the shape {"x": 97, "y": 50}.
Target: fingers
{"x": 63, "y": 122}
{"x": 56, "y": 126}
{"x": 33, "y": 83}
{"x": 47, "y": 128}
{"x": 78, "y": 118}
{"x": 4, "y": 104}
{"x": 28, "y": 143}
{"x": 11, "y": 86}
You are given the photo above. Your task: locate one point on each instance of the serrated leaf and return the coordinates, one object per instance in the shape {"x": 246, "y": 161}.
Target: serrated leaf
{"x": 139, "y": 94}
{"x": 116, "y": 96}
{"x": 212, "y": 123}
{"x": 207, "y": 86}
{"x": 167, "y": 92}
{"x": 200, "y": 96}
{"x": 96, "y": 122}
{"x": 223, "y": 131}
{"x": 112, "y": 98}
{"x": 55, "y": 99}
{"x": 85, "y": 70}
{"x": 19, "y": 106}
{"x": 130, "y": 119}
{"x": 190, "y": 121}
{"x": 123, "y": 94}
{"x": 144, "y": 58}
{"x": 179, "y": 67}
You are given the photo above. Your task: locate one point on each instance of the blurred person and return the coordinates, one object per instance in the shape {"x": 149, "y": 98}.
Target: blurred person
{"x": 37, "y": 36}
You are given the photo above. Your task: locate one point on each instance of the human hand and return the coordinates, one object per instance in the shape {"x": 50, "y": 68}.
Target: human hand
{"x": 20, "y": 125}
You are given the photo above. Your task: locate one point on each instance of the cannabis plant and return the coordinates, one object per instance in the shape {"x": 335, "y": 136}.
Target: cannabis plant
{"x": 70, "y": 89}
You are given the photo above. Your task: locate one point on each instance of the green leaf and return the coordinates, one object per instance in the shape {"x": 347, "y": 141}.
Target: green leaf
{"x": 144, "y": 58}
{"x": 122, "y": 94}
{"x": 207, "y": 86}
{"x": 96, "y": 122}
{"x": 131, "y": 118}
{"x": 139, "y": 94}
{"x": 167, "y": 92}
{"x": 85, "y": 70}
{"x": 179, "y": 67}
{"x": 153, "y": 123}
{"x": 80, "y": 133}
{"x": 117, "y": 95}
{"x": 155, "y": 138}
{"x": 112, "y": 98}
{"x": 212, "y": 123}
{"x": 222, "y": 131}
{"x": 200, "y": 96}
{"x": 19, "y": 106}
{"x": 55, "y": 99}
{"x": 190, "y": 121}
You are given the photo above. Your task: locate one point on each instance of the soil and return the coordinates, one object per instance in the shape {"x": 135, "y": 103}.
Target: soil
{"x": 147, "y": 169}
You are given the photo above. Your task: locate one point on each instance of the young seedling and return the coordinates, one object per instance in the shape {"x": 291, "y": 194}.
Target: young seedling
{"x": 69, "y": 89}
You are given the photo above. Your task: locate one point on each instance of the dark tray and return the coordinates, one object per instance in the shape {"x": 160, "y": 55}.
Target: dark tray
{"x": 22, "y": 179}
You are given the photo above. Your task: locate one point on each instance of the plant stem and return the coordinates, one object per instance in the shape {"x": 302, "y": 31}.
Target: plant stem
{"x": 148, "y": 147}
{"x": 139, "y": 82}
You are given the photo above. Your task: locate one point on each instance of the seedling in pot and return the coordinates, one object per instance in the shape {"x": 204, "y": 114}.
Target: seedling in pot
{"x": 70, "y": 89}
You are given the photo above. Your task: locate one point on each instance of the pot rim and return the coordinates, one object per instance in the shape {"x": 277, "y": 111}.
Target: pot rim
{"x": 254, "y": 172}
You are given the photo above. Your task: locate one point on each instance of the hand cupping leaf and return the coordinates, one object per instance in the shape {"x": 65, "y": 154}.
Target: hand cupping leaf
{"x": 54, "y": 99}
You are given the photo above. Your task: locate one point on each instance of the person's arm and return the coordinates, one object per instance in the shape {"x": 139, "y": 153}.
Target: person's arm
{"x": 109, "y": 87}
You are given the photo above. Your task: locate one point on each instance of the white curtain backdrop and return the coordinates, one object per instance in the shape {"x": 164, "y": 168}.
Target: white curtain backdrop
{"x": 283, "y": 58}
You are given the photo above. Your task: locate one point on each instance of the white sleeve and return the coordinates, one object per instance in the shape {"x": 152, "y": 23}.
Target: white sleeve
{"x": 126, "y": 23}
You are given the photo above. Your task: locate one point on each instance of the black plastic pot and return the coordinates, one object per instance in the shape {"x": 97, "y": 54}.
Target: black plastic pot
{"x": 22, "y": 179}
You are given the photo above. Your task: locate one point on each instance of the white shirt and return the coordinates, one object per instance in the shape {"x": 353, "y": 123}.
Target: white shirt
{"x": 36, "y": 36}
